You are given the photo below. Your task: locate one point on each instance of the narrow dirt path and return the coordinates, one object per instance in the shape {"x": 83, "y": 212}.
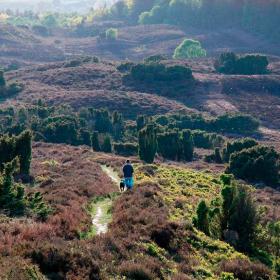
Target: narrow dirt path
{"x": 111, "y": 173}
{"x": 101, "y": 207}
{"x": 101, "y": 215}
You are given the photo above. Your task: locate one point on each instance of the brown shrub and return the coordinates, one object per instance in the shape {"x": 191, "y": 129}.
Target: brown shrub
{"x": 17, "y": 268}
{"x": 136, "y": 271}
{"x": 181, "y": 276}
{"x": 68, "y": 260}
{"x": 246, "y": 270}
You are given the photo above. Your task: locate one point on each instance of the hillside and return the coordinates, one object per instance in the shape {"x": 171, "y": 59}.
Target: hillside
{"x": 96, "y": 84}
{"x": 188, "y": 102}
{"x": 68, "y": 177}
{"x": 135, "y": 42}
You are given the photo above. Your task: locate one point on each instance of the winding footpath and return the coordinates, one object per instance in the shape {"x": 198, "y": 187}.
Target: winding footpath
{"x": 101, "y": 214}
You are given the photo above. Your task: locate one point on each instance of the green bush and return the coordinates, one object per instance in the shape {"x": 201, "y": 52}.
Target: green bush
{"x": 243, "y": 218}
{"x": 176, "y": 146}
{"x": 41, "y": 30}
{"x": 12, "y": 196}
{"x": 255, "y": 164}
{"x": 117, "y": 125}
{"x": 214, "y": 157}
{"x": 16, "y": 146}
{"x": 126, "y": 149}
{"x": 231, "y": 123}
{"x": 230, "y": 63}
{"x": 103, "y": 122}
{"x": 169, "y": 145}
{"x": 235, "y": 123}
{"x": 2, "y": 79}
{"x": 202, "y": 219}
{"x": 112, "y": 34}
{"x": 156, "y": 72}
{"x": 189, "y": 49}
{"x": 107, "y": 144}
{"x": 61, "y": 130}
{"x": 125, "y": 66}
{"x": 187, "y": 145}
{"x": 237, "y": 146}
{"x": 72, "y": 63}
{"x": 84, "y": 137}
{"x": 147, "y": 143}
{"x": 95, "y": 141}
{"x": 7, "y": 90}
{"x": 206, "y": 140}
{"x": 155, "y": 58}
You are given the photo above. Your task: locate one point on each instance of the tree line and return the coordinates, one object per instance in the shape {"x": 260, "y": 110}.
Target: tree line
{"x": 260, "y": 17}
{"x": 171, "y": 136}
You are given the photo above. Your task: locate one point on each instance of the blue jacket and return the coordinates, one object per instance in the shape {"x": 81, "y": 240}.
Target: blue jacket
{"x": 128, "y": 170}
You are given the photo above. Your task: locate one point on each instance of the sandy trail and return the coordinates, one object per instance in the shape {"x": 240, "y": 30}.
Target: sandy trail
{"x": 111, "y": 173}
{"x": 101, "y": 215}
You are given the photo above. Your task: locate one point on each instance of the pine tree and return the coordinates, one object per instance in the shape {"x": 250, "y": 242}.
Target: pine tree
{"x": 11, "y": 195}
{"x": 103, "y": 121}
{"x": 118, "y": 125}
{"x": 228, "y": 194}
{"x": 202, "y": 221}
{"x": 2, "y": 79}
{"x": 187, "y": 145}
{"x": 218, "y": 157}
{"x": 23, "y": 150}
{"x": 141, "y": 122}
{"x": 244, "y": 218}
{"x": 95, "y": 142}
{"x": 85, "y": 137}
{"x": 147, "y": 143}
{"x": 169, "y": 145}
{"x": 7, "y": 150}
{"x": 107, "y": 144}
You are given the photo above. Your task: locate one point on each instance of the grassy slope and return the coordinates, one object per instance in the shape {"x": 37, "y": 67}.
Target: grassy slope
{"x": 182, "y": 190}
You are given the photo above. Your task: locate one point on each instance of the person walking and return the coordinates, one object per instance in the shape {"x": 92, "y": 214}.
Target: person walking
{"x": 128, "y": 174}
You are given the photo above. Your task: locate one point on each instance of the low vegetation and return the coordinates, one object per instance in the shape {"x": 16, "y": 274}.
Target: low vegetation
{"x": 215, "y": 206}
{"x": 230, "y": 63}
{"x": 159, "y": 78}
{"x": 256, "y": 164}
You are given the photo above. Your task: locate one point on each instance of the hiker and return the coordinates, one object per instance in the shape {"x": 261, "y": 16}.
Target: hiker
{"x": 128, "y": 174}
